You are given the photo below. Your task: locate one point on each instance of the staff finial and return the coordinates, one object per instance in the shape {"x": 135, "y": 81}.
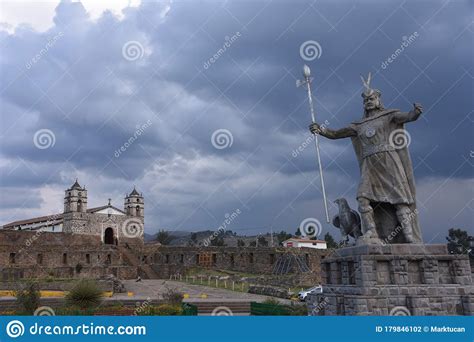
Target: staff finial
{"x": 368, "y": 91}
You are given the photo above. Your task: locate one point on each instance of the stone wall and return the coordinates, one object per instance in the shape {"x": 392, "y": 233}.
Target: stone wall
{"x": 25, "y": 254}
{"x": 36, "y": 254}
{"x": 169, "y": 260}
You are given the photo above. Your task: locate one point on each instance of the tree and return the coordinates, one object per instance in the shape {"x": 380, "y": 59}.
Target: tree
{"x": 459, "y": 241}
{"x": 253, "y": 244}
{"x": 163, "y": 237}
{"x": 262, "y": 241}
{"x": 240, "y": 243}
{"x": 330, "y": 242}
{"x": 298, "y": 232}
{"x": 282, "y": 236}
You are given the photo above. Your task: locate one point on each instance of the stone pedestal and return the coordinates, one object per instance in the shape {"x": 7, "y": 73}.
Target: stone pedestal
{"x": 396, "y": 279}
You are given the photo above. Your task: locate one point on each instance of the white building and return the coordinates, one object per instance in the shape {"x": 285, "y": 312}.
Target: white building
{"x": 306, "y": 243}
{"x": 110, "y": 223}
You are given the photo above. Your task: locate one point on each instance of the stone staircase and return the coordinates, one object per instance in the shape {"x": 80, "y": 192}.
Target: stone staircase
{"x": 146, "y": 272}
{"x": 130, "y": 258}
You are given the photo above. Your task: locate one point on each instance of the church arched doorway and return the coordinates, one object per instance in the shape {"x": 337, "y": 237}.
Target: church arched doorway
{"x": 109, "y": 236}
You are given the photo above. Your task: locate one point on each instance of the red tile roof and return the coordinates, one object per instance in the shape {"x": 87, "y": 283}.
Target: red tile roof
{"x": 52, "y": 218}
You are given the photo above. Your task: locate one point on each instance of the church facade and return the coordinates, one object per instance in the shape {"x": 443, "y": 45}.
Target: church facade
{"x": 111, "y": 225}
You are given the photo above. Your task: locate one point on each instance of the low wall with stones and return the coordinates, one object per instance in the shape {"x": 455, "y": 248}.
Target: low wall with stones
{"x": 104, "y": 284}
{"x": 269, "y": 291}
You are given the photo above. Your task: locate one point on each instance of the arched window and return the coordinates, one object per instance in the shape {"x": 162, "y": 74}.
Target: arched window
{"x": 137, "y": 208}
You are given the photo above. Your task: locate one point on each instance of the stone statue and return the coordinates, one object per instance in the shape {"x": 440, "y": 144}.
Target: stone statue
{"x": 386, "y": 193}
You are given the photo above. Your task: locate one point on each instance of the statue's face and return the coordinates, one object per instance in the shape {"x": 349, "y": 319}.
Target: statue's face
{"x": 371, "y": 102}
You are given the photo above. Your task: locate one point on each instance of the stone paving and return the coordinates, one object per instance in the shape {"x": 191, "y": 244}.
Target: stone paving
{"x": 155, "y": 288}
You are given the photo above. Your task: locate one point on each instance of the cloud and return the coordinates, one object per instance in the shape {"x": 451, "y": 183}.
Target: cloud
{"x": 77, "y": 80}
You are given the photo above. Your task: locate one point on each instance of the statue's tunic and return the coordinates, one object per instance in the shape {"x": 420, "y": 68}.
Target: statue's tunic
{"x": 383, "y": 174}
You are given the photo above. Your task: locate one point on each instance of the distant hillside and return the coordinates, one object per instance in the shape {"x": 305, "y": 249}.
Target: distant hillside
{"x": 180, "y": 238}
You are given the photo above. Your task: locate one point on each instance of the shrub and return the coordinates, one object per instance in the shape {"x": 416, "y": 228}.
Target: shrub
{"x": 161, "y": 310}
{"x": 168, "y": 310}
{"x": 298, "y": 310}
{"x": 173, "y": 296}
{"x": 85, "y": 295}
{"x": 28, "y": 298}
{"x": 271, "y": 301}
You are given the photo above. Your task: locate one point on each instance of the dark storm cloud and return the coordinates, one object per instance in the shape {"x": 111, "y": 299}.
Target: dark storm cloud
{"x": 94, "y": 100}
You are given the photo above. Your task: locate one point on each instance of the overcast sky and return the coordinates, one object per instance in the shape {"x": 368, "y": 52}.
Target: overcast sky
{"x": 211, "y": 87}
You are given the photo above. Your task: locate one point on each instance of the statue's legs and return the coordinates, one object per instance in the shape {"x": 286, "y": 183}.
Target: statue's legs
{"x": 369, "y": 231}
{"x": 405, "y": 217}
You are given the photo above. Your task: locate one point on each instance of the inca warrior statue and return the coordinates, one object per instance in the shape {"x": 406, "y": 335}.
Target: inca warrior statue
{"x": 386, "y": 193}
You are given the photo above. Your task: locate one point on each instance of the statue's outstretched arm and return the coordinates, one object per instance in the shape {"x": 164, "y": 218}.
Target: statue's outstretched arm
{"x": 412, "y": 115}
{"x": 345, "y": 132}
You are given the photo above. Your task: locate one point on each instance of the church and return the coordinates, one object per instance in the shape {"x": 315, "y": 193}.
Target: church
{"x": 112, "y": 225}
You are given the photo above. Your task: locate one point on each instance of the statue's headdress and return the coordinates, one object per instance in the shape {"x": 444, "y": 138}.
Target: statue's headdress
{"x": 368, "y": 91}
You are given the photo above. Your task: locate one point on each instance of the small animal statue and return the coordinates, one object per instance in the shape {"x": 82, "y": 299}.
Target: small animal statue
{"x": 347, "y": 220}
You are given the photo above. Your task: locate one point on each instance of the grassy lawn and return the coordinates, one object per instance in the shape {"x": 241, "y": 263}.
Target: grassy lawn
{"x": 207, "y": 277}
{"x": 221, "y": 284}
